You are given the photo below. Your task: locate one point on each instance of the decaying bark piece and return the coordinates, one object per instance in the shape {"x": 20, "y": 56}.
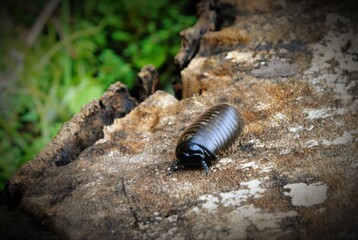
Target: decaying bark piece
{"x": 147, "y": 83}
{"x": 79, "y": 133}
{"x": 86, "y": 127}
{"x": 191, "y": 36}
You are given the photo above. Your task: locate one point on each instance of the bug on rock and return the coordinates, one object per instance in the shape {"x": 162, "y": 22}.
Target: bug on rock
{"x": 212, "y": 132}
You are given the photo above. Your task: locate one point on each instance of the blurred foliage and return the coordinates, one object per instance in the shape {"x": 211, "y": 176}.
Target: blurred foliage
{"x": 84, "y": 47}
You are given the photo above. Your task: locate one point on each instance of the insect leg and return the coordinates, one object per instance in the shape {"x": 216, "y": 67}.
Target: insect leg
{"x": 173, "y": 167}
{"x": 205, "y": 166}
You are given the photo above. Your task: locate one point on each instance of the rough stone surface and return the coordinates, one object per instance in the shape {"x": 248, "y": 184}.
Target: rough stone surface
{"x": 292, "y": 175}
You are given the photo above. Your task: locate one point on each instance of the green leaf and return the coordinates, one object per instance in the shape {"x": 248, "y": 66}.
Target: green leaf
{"x": 36, "y": 146}
{"x": 113, "y": 68}
{"x": 30, "y": 116}
{"x": 152, "y": 52}
{"x": 121, "y": 36}
{"x": 83, "y": 95}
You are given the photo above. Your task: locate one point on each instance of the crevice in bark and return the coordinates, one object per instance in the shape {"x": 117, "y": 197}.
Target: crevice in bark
{"x": 130, "y": 203}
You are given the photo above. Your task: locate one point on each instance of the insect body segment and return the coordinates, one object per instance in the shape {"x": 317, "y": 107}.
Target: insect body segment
{"x": 213, "y": 132}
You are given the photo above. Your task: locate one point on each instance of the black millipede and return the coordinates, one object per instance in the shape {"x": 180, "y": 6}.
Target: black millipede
{"x": 212, "y": 132}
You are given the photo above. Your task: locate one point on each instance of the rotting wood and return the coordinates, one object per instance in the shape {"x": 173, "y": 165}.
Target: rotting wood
{"x": 147, "y": 83}
{"x": 191, "y": 36}
{"x": 84, "y": 129}
{"x": 75, "y": 135}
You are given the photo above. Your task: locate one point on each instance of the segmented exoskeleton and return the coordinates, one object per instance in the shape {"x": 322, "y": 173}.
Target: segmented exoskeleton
{"x": 213, "y": 132}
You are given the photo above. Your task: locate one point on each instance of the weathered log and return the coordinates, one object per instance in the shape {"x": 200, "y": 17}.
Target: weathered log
{"x": 293, "y": 175}
{"x": 84, "y": 129}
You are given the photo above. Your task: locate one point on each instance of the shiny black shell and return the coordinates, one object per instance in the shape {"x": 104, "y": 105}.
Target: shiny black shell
{"x": 213, "y": 132}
